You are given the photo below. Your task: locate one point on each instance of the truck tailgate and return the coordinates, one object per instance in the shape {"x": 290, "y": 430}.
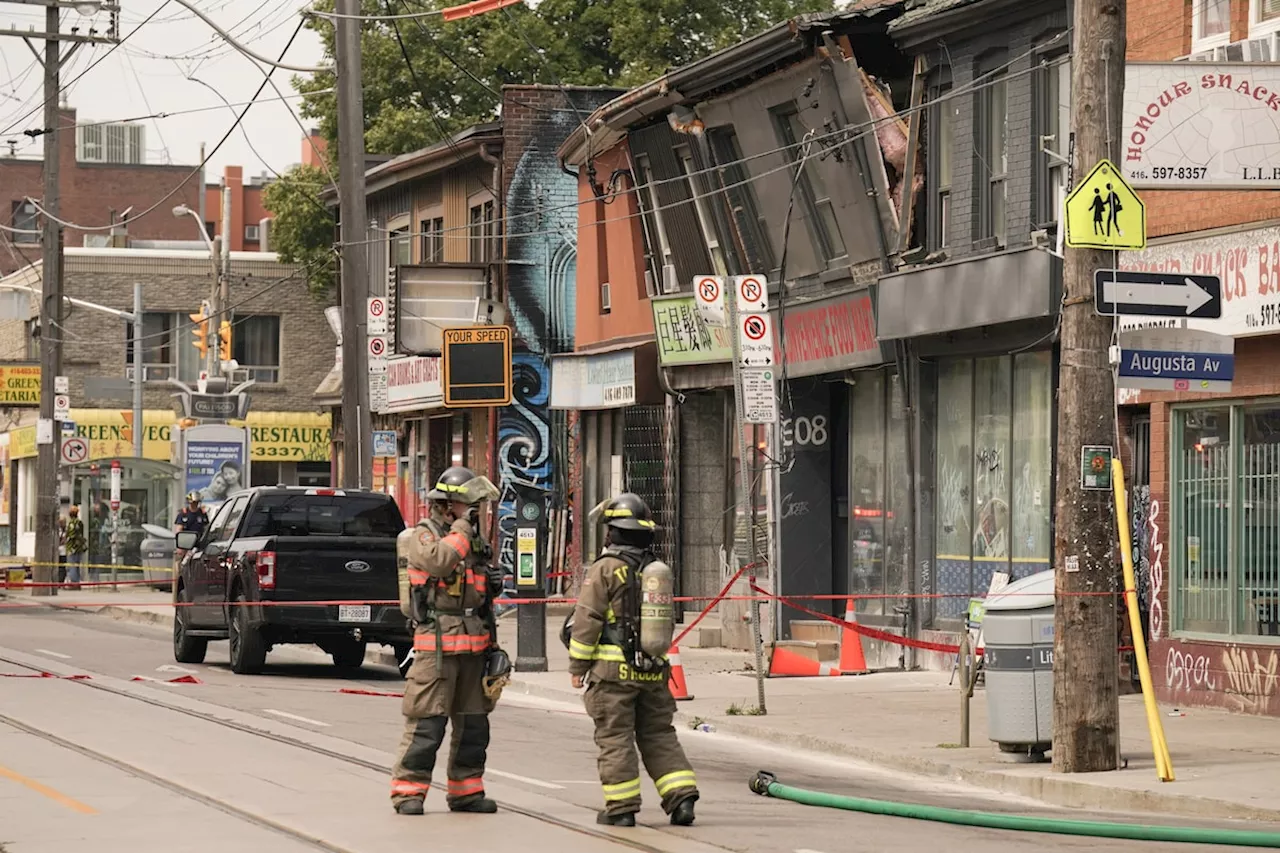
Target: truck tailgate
{"x": 335, "y": 568}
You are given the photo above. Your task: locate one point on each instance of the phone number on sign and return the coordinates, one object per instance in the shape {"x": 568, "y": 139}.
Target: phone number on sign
{"x": 1266, "y": 315}
{"x": 1173, "y": 173}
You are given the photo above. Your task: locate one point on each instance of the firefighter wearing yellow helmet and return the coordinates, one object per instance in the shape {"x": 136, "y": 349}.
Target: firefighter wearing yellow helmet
{"x": 618, "y": 637}
{"x": 448, "y": 583}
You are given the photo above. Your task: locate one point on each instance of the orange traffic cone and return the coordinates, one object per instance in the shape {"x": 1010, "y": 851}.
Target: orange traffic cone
{"x": 678, "y": 686}
{"x": 785, "y": 662}
{"x": 852, "y": 660}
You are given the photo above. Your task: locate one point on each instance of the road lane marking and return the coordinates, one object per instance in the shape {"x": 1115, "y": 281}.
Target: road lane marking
{"x": 289, "y": 716}
{"x": 54, "y": 654}
{"x": 45, "y": 790}
{"x": 168, "y": 667}
{"x": 525, "y": 779}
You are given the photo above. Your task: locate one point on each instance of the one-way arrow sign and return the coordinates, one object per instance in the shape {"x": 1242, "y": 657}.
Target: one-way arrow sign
{"x": 1156, "y": 294}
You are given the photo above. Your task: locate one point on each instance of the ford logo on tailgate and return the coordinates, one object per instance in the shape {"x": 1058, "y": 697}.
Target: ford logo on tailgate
{"x": 358, "y": 566}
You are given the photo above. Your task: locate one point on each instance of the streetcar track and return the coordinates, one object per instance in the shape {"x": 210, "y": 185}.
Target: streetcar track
{"x": 174, "y": 787}
{"x": 288, "y": 741}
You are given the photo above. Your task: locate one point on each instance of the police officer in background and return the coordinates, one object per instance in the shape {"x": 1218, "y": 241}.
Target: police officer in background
{"x": 626, "y": 677}
{"x": 447, "y": 584}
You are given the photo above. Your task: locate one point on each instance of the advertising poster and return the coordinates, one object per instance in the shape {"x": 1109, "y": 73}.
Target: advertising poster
{"x": 215, "y": 469}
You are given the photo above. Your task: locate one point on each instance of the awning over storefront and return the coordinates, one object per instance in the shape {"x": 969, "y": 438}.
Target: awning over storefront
{"x": 273, "y": 436}
{"x": 1019, "y": 285}
{"x": 612, "y": 379}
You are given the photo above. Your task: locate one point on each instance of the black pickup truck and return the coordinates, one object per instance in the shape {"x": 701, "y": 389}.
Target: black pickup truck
{"x": 291, "y": 544}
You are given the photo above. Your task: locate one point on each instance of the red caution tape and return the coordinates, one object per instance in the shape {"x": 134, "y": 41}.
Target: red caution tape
{"x": 43, "y": 675}
{"x": 185, "y": 679}
{"x": 712, "y": 604}
{"x": 352, "y": 692}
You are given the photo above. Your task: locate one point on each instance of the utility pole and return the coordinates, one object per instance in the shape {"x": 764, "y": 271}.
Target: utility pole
{"x": 47, "y": 494}
{"x": 1085, "y": 671}
{"x": 357, "y": 453}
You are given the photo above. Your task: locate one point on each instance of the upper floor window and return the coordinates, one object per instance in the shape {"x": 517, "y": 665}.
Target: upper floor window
{"x": 941, "y": 144}
{"x": 255, "y": 345}
{"x": 741, "y": 200}
{"x": 432, "y": 230}
{"x": 657, "y": 243}
{"x": 992, "y": 147}
{"x": 1264, "y": 17}
{"x": 27, "y": 219}
{"x": 167, "y": 344}
{"x": 821, "y": 215}
{"x": 1211, "y": 23}
{"x": 1053, "y": 115}
{"x": 482, "y": 232}
{"x": 705, "y": 221}
{"x": 399, "y": 243}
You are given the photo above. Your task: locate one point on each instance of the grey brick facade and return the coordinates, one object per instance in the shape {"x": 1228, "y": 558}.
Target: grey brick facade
{"x": 95, "y": 344}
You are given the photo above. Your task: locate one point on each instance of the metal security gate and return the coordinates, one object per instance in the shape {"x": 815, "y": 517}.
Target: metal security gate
{"x": 651, "y": 469}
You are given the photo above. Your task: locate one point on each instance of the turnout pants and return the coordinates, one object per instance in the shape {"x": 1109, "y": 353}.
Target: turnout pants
{"x": 452, "y": 693}
{"x": 630, "y": 715}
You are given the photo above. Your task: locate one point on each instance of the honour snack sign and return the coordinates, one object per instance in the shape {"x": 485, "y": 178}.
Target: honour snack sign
{"x": 1201, "y": 125}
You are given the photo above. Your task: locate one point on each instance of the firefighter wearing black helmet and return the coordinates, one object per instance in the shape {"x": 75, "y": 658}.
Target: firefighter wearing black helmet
{"x": 626, "y": 675}
{"x": 448, "y": 584}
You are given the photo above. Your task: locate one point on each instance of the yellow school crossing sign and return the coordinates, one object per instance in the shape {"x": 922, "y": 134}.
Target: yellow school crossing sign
{"x": 1104, "y": 212}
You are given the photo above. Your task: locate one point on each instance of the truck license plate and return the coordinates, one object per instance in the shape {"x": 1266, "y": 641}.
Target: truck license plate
{"x": 354, "y": 612}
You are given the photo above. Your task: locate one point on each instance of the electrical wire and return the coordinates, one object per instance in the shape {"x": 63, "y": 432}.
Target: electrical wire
{"x": 194, "y": 172}
{"x": 231, "y": 40}
{"x": 176, "y": 113}
{"x": 94, "y": 64}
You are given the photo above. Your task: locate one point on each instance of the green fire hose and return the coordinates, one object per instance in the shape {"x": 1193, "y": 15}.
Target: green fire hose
{"x": 766, "y": 784}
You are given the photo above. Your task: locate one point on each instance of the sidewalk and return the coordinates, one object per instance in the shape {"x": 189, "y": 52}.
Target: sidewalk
{"x": 1226, "y": 765}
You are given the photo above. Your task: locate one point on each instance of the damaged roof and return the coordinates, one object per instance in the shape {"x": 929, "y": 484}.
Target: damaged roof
{"x": 679, "y": 85}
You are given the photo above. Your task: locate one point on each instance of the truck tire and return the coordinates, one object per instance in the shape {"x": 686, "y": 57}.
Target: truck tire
{"x": 347, "y": 654}
{"x": 248, "y": 649}
{"x": 186, "y": 649}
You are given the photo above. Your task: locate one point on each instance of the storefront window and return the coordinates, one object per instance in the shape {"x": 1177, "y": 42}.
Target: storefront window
{"x": 1032, "y": 462}
{"x": 1226, "y": 492}
{"x": 994, "y": 473}
{"x": 867, "y": 490}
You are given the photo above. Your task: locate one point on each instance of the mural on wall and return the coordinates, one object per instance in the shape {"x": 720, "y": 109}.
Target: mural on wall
{"x": 542, "y": 229}
{"x": 573, "y": 497}
{"x": 524, "y": 445}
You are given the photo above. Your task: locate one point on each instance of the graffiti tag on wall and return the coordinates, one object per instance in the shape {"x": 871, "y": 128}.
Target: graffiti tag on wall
{"x": 1157, "y": 572}
{"x": 1251, "y": 678}
{"x": 1184, "y": 671}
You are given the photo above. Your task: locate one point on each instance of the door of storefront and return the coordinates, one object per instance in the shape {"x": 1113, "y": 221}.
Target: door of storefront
{"x": 994, "y": 474}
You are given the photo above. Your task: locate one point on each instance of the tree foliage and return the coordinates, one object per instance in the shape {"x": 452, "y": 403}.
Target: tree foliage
{"x": 303, "y": 230}
{"x": 578, "y": 42}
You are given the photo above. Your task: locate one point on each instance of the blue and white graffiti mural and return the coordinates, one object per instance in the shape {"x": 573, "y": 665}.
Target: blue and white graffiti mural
{"x": 524, "y": 445}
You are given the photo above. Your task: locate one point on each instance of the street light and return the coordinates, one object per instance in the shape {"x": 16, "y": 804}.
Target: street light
{"x": 211, "y": 358}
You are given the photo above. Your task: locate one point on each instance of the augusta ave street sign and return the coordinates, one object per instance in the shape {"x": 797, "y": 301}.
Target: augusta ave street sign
{"x": 1176, "y": 360}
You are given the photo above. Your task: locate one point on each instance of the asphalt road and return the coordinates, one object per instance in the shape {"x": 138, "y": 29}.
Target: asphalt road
{"x": 545, "y": 748}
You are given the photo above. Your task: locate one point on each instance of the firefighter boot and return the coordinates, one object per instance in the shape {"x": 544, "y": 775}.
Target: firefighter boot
{"x": 624, "y": 819}
{"x": 411, "y": 807}
{"x": 484, "y": 805}
{"x": 682, "y": 815}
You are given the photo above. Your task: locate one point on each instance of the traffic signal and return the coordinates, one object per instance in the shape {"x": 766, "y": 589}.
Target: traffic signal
{"x": 200, "y": 332}
{"x": 224, "y": 340}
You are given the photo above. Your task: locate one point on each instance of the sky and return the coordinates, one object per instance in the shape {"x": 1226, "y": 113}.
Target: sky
{"x": 148, "y": 75}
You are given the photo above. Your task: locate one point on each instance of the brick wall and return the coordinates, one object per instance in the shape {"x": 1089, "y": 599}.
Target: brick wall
{"x": 90, "y": 191}
{"x": 969, "y": 59}
{"x": 96, "y": 344}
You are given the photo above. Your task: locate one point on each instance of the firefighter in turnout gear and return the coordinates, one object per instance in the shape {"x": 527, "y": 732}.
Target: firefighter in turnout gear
{"x": 621, "y": 656}
{"x": 447, "y": 587}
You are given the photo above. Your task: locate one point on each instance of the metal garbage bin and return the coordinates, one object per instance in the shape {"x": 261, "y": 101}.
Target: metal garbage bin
{"x": 1018, "y": 664}
{"x": 157, "y": 556}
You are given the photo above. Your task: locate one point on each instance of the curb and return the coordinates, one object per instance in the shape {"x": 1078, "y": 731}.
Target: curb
{"x": 1053, "y": 790}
